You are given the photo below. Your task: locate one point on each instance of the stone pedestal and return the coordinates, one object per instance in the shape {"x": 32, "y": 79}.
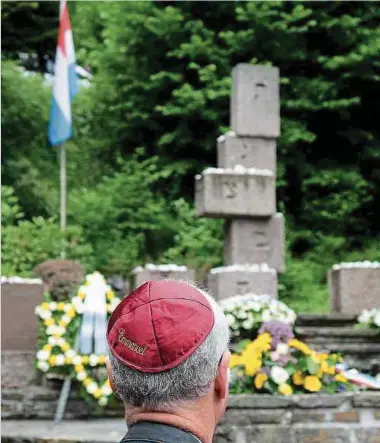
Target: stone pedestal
{"x": 159, "y": 272}
{"x": 18, "y": 319}
{"x": 256, "y": 241}
{"x": 225, "y": 193}
{"x": 246, "y": 151}
{"x": 234, "y": 280}
{"x": 255, "y": 101}
{"x": 354, "y": 287}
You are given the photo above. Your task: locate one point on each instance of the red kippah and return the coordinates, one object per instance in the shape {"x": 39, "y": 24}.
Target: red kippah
{"x": 159, "y": 325}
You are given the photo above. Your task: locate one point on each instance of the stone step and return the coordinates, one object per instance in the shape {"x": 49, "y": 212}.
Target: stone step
{"x": 321, "y": 320}
{"x": 338, "y": 333}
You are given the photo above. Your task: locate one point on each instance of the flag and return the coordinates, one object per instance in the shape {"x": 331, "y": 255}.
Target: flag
{"x": 65, "y": 84}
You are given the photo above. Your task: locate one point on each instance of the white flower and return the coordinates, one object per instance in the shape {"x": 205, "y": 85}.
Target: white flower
{"x": 230, "y": 319}
{"x": 43, "y": 355}
{"x": 279, "y": 375}
{"x": 81, "y": 375}
{"x": 102, "y": 401}
{"x": 266, "y": 315}
{"x": 282, "y": 348}
{"x": 44, "y": 314}
{"x": 53, "y": 341}
{"x": 365, "y": 316}
{"x": 43, "y": 366}
{"x": 114, "y": 302}
{"x": 247, "y": 324}
{"x": 60, "y": 360}
{"x": 77, "y": 360}
{"x": 53, "y": 305}
{"x": 106, "y": 390}
{"x": 60, "y": 330}
{"x": 92, "y": 387}
{"x": 93, "y": 360}
{"x": 66, "y": 319}
{"x": 274, "y": 356}
{"x": 68, "y": 307}
{"x": 60, "y": 341}
{"x": 50, "y": 330}
{"x": 376, "y": 319}
{"x": 70, "y": 353}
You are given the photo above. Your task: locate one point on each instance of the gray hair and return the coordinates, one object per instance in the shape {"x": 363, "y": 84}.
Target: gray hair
{"x": 188, "y": 381}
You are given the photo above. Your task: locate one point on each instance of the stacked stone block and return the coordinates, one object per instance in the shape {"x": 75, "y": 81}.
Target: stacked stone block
{"x": 158, "y": 272}
{"x": 242, "y": 189}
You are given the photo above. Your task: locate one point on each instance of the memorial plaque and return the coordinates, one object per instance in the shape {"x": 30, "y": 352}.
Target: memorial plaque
{"x": 255, "y": 241}
{"x": 255, "y": 101}
{"x": 18, "y": 319}
{"x": 231, "y": 195}
{"x": 352, "y": 289}
{"x": 142, "y": 275}
{"x": 249, "y": 152}
{"x": 226, "y": 284}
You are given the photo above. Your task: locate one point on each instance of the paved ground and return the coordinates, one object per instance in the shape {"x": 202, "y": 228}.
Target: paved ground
{"x": 68, "y": 431}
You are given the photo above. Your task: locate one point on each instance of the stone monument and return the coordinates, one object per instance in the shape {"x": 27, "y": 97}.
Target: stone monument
{"x": 242, "y": 189}
{"x": 354, "y": 287}
{"x": 158, "y": 272}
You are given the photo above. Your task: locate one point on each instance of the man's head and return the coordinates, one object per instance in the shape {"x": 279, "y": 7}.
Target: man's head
{"x": 169, "y": 349}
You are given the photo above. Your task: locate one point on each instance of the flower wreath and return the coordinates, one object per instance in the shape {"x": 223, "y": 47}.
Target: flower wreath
{"x": 60, "y": 323}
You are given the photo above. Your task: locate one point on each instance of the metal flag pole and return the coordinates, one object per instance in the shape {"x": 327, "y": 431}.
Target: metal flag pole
{"x": 63, "y": 197}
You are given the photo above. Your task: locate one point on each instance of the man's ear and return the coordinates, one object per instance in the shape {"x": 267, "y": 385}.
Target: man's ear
{"x": 110, "y": 378}
{"x": 221, "y": 381}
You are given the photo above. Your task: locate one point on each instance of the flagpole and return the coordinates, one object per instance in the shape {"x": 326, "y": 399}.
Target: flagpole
{"x": 63, "y": 196}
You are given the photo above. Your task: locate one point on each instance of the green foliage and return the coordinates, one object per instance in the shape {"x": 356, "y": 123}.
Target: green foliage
{"x": 10, "y": 207}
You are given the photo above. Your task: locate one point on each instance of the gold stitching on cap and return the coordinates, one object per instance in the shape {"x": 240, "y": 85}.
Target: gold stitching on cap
{"x": 130, "y": 345}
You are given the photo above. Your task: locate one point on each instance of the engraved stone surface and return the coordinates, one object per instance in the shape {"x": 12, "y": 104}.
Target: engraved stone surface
{"x": 159, "y": 272}
{"x": 231, "y": 194}
{"x": 18, "y": 320}
{"x": 246, "y": 151}
{"x": 353, "y": 288}
{"x": 228, "y": 283}
{"x": 255, "y": 101}
{"x": 256, "y": 241}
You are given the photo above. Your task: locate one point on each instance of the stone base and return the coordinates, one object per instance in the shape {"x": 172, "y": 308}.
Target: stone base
{"x": 354, "y": 287}
{"x": 160, "y": 272}
{"x": 234, "y": 280}
{"x": 228, "y": 194}
{"x": 256, "y": 241}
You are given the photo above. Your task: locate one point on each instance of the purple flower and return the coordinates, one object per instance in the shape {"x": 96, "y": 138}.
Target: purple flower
{"x": 280, "y": 332}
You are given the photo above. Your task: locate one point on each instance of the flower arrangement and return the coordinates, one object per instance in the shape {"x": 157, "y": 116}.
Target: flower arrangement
{"x": 369, "y": 318}
{"x": 246, "y": 313}
{"x": 57, "y": 355}
{"x": 277, "y": 363}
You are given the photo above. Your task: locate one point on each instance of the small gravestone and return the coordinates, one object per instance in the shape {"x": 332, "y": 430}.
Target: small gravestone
{"x": 19, "y": 297}
{"x": 61, "y": 278}
{"x": 242, "y": 279}
{"x": 354, "y": 287}
{"x": 158, "y": 272}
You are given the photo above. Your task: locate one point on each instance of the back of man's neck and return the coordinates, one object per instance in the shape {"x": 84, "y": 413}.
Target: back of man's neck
{"x": 179, "y": 420}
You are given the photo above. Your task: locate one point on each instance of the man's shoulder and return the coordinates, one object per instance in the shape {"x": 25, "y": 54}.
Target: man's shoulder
{"x": 152, "y": 432}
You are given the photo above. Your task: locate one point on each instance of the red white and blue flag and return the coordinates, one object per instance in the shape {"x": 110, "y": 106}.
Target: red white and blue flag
{"x": 65, "y": 82}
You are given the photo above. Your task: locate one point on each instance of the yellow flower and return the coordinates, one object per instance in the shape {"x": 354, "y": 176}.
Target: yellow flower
{"x": 298, "y": 378}
{"x": 107, "y": 382}
{"x": 65, "y": 347}
{"x": 319, "y": 374}
{"x": 260, "y": 379}
{"x": 45, "y": 306}
{"x": 85, "y": 359}
{"x": 47, "y": 348}
{"x": 303, "y": 347}
{"x": 68, "y": 360}
{"x": 340, "y": 378}
{"x": 252, "y": 366}
{"x": 71, "y": 313}
{"x": 79, "y": 368}
{"x": 57, "y": 335}
{"x": 102, "y": 359}
{"x": 110, "y": 295}
{"x": 322, "y": 357}
{"x": 285, "y": 389}
{"x": 62, "y": 323}
{"x": 87, "y": 381}
{"x": 49, "y": 322}
{"x": 60, "y": 306}
{"x": 52, "y": 360}
{"x": 81, "y": 295}
{"x": 235, "y": 360}
{"x": 312, "y": 383}
{"x": 97, "y": 393}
